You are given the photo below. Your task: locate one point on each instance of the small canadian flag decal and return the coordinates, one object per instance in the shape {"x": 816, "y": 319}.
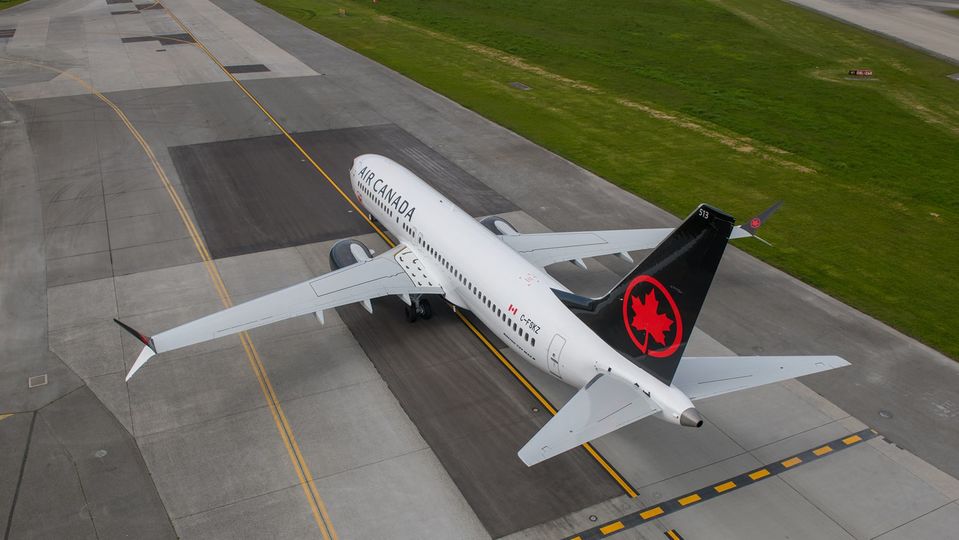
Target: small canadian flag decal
{"x": 513, "y": 309}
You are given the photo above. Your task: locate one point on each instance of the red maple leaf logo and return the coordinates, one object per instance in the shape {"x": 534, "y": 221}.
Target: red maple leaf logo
{"x": 647, "y": 318}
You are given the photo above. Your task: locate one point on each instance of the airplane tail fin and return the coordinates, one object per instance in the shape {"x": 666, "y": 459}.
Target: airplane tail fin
{"x": 649, "y": 316}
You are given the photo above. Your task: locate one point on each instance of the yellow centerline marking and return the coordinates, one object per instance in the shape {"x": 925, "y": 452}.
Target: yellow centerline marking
{"x": 761, "y": 473}
{"x": 5, "y": 416}
{"x": 612, "y": 527}
{"x": 822, "y": 450}
{"x": 725, "y": 486}
{"x": 317, "y": 506}
{"x": 690, "y": 499}
{"x": 851, "y": 440}
{"x": 543, "y": 401}
{"x": 589, "y": 448}
{"x": 672, "y": 534}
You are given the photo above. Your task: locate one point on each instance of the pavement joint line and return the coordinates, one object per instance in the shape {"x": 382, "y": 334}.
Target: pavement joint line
{"x": 616, "y": 476}
{"x": 608, "y": 467}
{"x": 23, "y": 467}
{"x": 304, "y": 476}
{"x": 665, "y": 508}
{"x": 317, "y": 506}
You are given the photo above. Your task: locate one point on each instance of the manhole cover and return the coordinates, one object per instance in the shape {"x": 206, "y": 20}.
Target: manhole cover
{"x": 593, "y": 517}
{"x": 100, "y": 453}
{"x": 885, "y": 414}
{"x": 37, "y": 380}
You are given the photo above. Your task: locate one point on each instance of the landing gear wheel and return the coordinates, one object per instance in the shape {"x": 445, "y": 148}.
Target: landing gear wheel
{"x": 411, "y": 314}
{"x": 423, "y": 309}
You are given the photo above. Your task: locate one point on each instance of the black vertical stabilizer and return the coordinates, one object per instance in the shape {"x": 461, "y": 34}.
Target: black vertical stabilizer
{"x": 649, "y": 316}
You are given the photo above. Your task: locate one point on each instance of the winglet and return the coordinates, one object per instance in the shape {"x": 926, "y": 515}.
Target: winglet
{"x": 145, "y": 354}
{"x": 148, "y": 341}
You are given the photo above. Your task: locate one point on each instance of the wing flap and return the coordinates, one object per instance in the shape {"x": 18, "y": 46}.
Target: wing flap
{"x": 703, "y": 377}
{"x": 544, "y": 249}
{"x": 605, "y": 404}
{"x": 549, "y": 248}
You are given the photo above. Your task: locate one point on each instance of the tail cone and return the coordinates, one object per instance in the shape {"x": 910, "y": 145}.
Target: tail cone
{"x": 691, "y": 418}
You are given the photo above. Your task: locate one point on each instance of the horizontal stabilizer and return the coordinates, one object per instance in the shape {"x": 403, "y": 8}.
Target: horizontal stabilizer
{"x": 703, "y": 377}
{"x": 605, "y": 404}
{"x": 751, "y": 227}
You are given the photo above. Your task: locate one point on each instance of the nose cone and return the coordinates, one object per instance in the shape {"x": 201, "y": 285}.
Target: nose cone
{"x": 691, "y": 418}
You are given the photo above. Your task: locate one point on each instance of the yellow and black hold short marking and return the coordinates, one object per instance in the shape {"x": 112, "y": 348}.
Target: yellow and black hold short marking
{"x": 715, "y": 490}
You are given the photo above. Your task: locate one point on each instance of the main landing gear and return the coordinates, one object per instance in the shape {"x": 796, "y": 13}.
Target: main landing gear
{"x": 419, "y": 310}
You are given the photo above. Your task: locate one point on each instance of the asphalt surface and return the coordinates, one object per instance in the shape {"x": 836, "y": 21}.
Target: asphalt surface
{"x": 917, "y": 23}
{"x": 359, "y": 428}
{"x": 239, "y": 213}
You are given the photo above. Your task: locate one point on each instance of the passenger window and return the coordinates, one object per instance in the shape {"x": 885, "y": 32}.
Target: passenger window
{"x": 533, "y": 341}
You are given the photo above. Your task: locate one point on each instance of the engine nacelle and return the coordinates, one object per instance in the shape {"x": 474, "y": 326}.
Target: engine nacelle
{"x": 498, "y": 226}
{"x": 347, "y": 252}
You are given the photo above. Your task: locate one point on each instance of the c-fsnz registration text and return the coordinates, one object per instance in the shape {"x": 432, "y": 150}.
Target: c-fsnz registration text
{"x": 392, "y": 198}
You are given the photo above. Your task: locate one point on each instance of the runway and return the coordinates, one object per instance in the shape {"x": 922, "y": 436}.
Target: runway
{"x": 365, "y": 427}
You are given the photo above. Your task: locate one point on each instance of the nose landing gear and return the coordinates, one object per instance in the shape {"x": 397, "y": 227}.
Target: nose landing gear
{"x": 419, "y": 310}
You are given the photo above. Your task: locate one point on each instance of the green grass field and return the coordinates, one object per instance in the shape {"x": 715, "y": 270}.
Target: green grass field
{"x": 4, "y": 4}
{"x": 732, "y": 102}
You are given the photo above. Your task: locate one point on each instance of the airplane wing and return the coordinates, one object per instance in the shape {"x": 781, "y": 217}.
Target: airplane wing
{"x": 605, "y": 404}
{"x": 545, "y": 249}
{"x": 703, "y": 377}
{"x": 395, "y": 272}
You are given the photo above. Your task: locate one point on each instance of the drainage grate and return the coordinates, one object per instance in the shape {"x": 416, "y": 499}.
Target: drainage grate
{"x": 144, "y": 7}
{"x": 127, "y": 12}
{"x": 37, "y": 380}
{"x": 247, "y": 68}
{"x": 7, "y": 32}
{"x": 111, "y": 2}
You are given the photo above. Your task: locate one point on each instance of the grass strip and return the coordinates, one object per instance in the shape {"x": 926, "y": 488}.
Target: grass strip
{"x": 734, "y": 102}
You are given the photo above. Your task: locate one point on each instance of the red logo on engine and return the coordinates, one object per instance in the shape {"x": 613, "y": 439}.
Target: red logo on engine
{"x": 642, "y": 317}
{"x": 755, "y": 223}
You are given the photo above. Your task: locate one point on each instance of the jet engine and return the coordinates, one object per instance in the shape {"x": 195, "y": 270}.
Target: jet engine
{"x": 498, "y": 226}
{"x": 347, "y": 252}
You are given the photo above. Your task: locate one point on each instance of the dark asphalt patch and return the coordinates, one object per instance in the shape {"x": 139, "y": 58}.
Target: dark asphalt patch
{"x": 165, "y": 39}
{"x": 258, "y": 194}
{"x": 475, "y": 417}
{"x": 247, "y": 68}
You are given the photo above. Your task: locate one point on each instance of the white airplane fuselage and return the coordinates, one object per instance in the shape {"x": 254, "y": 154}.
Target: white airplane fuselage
{"x": 479, "y": 272}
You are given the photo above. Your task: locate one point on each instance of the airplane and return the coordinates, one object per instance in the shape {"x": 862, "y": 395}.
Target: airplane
{"x": 624, "y": 350}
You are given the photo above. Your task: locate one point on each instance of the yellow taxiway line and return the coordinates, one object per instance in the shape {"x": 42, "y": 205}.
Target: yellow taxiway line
{"x": 304, "y": 476}
{"x": 306, "y": 155}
